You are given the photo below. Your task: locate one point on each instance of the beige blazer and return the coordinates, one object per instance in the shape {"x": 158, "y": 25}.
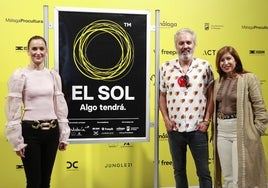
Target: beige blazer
{"x": 252, "y": 118}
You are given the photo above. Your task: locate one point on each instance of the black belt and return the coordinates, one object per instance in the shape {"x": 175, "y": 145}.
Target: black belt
{"x": 43, "y": 124}
{"x": 221, "y": 115}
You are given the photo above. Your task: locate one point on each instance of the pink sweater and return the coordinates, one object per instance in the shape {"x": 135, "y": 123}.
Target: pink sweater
{"x": 38, "y": 95}
{"x": 34, "y": 95}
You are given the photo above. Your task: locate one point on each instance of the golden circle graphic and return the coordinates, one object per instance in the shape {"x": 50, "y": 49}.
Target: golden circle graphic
{"x": 83, "y": 40}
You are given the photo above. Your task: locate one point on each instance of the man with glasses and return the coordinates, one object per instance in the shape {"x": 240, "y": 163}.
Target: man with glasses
{"x": 186, "y": 106}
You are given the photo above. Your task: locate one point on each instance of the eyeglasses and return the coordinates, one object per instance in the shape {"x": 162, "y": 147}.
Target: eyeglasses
{"x": 183, "y": 81}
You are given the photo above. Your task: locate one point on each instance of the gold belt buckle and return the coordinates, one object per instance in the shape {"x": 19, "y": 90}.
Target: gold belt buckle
{"x": 45, "y": 126}
{"x": 36, "y": 124}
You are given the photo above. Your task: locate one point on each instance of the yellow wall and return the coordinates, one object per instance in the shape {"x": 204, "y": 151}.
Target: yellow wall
{"x": 240, "y": 23}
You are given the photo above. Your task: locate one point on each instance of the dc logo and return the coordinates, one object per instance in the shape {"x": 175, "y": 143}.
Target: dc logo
{"x": 71, "y": 165}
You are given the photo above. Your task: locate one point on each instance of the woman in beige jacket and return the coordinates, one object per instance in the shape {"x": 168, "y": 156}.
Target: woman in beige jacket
{"x": 240, "y": 119}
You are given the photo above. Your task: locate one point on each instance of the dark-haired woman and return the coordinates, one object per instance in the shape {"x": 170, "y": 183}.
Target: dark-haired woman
{"x": 36, "y": 111}
{"x": 240, "y": 119}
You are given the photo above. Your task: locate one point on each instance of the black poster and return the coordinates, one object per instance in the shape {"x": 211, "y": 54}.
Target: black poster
{"x": 103, "y": 61}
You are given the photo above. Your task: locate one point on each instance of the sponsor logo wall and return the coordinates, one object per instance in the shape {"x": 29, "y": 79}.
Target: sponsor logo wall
{"x": 131, "y": 164}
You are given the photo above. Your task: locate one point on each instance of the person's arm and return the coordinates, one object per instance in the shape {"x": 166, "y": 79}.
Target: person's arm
{"x": 61, "y": 110}
{"x": 210, "y": 105}
{"x": 258, "y": 104}
{"x": 13, "y": 111}
{"x": 170, "y": 125}
{"x": 203, "y": 126}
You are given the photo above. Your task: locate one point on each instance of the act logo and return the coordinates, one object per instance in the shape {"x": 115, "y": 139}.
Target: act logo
{"x": 209, "y": 52}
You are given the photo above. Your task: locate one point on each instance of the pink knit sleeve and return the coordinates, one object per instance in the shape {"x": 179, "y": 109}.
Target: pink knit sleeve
{"x": 13, "y": 110}
{"x": 61, "y": 109}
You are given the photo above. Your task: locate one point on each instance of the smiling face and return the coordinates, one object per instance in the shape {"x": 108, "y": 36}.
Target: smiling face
{"x": 37, "y": 51}
{"x": 227, "y": 63}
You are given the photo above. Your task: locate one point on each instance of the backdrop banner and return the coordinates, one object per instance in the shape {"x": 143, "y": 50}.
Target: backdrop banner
{"x": 120, "y": 32}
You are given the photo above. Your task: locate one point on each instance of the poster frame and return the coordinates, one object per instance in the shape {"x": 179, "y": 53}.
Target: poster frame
{"x": 57, "y": 11}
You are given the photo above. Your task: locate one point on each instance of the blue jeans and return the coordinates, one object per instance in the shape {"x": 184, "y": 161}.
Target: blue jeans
{"x": 198, "y": 144}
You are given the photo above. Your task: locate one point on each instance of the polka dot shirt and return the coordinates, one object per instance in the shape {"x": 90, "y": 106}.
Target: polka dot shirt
{"x": 186, "y": 105}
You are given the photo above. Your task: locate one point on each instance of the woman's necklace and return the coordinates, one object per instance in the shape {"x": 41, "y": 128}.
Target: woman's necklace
{"x": 232, "y": 76}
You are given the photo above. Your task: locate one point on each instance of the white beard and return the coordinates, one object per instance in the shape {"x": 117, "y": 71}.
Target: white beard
{"x": 186, "y": 57}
